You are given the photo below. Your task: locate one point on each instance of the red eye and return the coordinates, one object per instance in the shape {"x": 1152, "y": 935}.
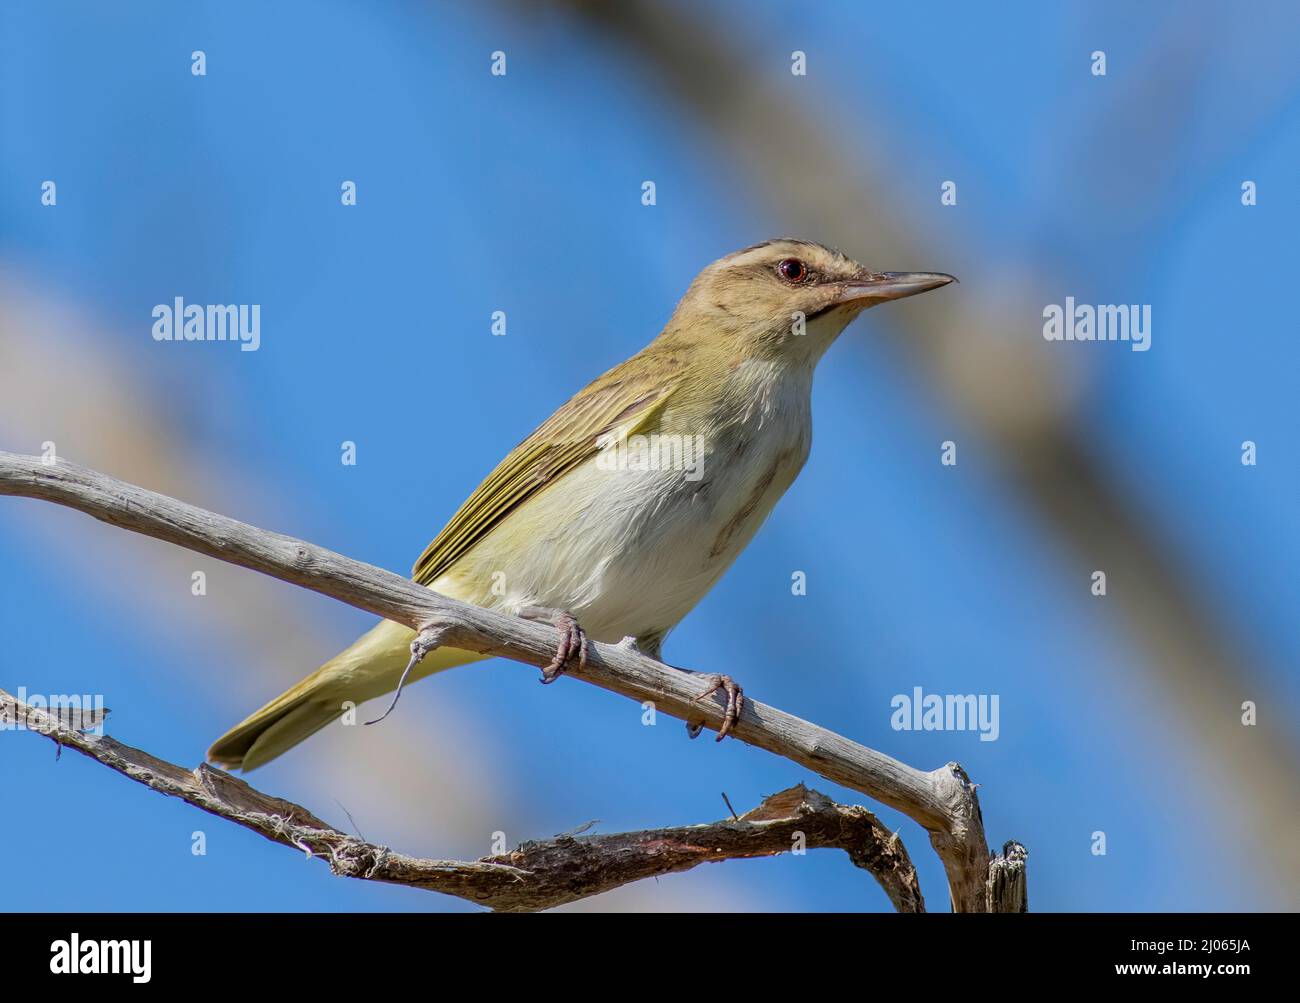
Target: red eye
{"x": 793, "y": 270}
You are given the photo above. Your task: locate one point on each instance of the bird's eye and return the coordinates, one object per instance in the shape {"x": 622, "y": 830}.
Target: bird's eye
{"x": 793, "y": 270}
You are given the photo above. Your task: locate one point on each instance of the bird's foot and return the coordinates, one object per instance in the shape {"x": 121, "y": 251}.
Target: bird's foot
{"x": 735, "y": 704}
{"x": 573, "y": 639}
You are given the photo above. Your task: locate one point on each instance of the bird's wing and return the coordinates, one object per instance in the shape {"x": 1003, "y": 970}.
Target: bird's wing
{"x": 625, "y": 397}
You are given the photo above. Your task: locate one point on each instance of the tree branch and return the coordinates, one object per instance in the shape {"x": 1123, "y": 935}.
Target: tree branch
{"x": 943, "y": 801}
{"x": 535, "y": 875}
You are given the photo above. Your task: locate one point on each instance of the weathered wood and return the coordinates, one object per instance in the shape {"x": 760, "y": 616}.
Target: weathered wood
{"x": 1008, "y": 889}
{"x": 943, "y": 801}
{"x": 535, "y": 875}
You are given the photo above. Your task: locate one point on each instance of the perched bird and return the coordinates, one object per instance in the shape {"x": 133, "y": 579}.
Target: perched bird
{"x": 714, "y": 421}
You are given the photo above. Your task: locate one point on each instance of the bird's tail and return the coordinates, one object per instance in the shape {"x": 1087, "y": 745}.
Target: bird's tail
{"x": 370, "y": 668}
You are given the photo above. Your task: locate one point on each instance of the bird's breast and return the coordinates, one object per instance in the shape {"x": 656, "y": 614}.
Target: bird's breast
{"x": 633, "y": 538}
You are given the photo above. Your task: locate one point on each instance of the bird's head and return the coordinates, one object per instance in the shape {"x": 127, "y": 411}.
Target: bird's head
{"x": 788, "y": 298}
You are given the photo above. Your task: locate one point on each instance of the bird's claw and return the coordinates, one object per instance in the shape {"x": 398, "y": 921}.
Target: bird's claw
{"x": 735, "y": 704}
{"x": 573, "y": 640}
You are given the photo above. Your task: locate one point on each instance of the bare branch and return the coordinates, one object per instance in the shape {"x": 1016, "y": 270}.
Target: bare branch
{"x": 535, "y": 875}
{"x": 943, "y": 801}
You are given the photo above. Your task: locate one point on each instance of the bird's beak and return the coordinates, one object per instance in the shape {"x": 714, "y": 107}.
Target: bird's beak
{"x": 877, "y": 287}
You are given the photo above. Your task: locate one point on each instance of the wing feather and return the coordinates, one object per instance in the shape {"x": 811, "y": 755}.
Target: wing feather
{"x": 628, "y": 396}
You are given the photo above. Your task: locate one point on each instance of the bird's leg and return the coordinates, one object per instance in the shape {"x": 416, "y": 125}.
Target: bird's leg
{"x": 650, "y": 644}
{"x": 573, "y": 639}
{"x": 735, "y": 704}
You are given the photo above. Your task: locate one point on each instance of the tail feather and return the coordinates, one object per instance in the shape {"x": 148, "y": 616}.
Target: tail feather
{"x": 369, "y": 668}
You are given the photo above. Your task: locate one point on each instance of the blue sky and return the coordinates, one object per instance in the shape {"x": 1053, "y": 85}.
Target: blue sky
{"x": 478, "y": 193}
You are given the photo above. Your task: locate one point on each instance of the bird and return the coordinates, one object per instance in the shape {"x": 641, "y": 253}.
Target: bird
{"x": 616, "y": 516}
